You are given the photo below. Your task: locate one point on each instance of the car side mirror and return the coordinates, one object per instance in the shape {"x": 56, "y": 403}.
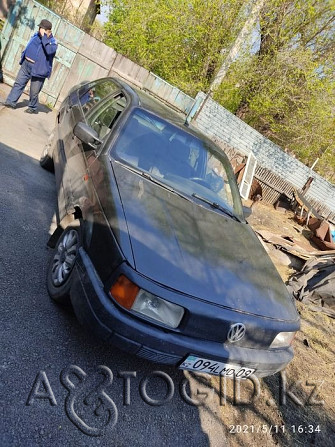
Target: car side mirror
{"x": 247, "y": 211}
{"x": 86, "y": 134}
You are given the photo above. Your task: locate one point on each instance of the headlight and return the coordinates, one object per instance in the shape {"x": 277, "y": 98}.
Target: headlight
{"x": 158, "y": 309}
{"x": 130, "y": 296}
{"x": 283, "y": 340}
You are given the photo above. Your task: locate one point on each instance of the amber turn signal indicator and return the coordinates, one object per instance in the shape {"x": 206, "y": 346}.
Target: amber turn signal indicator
{"x": 124, "y": 291}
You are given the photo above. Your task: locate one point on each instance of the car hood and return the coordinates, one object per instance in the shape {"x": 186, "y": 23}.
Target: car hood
{"x": 198, "y": 251}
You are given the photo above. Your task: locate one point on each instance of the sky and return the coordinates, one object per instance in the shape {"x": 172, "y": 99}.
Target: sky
{"x": 102, "y": 18}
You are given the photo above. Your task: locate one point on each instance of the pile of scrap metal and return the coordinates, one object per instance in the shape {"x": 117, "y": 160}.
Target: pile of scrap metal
{"x": 287, "y": 244}
{"x": 323, "y": 233}
{"x": 306, "y": 209}
{"x": 315, "y": 284}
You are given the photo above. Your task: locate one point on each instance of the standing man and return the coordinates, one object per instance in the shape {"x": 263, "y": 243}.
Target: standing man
{"x": 36, "y": 65}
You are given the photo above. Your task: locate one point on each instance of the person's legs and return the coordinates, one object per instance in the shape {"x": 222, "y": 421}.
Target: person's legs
{"x": 21, "y": 81}
{"x": 36, "y": 85}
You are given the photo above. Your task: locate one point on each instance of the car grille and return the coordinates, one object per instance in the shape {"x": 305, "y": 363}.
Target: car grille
{"x": 157, "y": 356}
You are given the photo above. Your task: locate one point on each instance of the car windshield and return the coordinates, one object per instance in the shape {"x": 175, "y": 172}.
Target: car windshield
{"x": 178, "y": 159}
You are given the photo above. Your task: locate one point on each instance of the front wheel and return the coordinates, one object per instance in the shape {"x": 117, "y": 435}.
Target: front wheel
{"x": 62, "y": 262}
{"x": 46, "y": 161}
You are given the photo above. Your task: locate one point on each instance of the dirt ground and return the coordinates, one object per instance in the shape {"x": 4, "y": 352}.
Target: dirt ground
{"x": 265, "y": 217}
{"x": 295, "y": 407}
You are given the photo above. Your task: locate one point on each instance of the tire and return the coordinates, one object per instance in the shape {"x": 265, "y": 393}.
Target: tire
{"x": 61, "y": 264}
{"x": 46, "y": 161}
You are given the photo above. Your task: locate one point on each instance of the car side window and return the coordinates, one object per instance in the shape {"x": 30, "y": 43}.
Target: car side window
{"x": 91, "y": 94}
{"x": 103, "y": 119}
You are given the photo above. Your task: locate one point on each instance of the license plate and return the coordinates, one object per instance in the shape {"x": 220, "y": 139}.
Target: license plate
{"x": 199, "y": 364}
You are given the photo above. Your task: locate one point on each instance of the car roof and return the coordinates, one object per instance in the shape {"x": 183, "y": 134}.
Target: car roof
{"x": 146, "y": 100}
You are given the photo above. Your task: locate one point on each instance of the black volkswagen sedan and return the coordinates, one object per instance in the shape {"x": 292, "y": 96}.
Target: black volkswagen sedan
{"x": 152, "y": 247}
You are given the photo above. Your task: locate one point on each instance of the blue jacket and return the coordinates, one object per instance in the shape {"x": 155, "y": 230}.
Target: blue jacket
{"x": 46, "y": 53}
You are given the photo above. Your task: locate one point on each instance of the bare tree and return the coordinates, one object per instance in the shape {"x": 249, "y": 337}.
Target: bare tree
{"x": 89, "y": 17}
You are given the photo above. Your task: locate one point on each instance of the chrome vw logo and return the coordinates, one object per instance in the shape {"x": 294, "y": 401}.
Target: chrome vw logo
{"x": 236, "y": 332}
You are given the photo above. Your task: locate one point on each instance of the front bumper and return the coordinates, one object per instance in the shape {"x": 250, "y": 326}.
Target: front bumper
{"x": 96, "y": 310}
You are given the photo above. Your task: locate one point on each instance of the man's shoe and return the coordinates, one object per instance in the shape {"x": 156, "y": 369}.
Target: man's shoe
{"x": 8, "y": 104}
{"x": 29, "y": 110}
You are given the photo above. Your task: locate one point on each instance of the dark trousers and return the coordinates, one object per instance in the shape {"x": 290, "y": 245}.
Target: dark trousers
{"x": 23, "y": 76}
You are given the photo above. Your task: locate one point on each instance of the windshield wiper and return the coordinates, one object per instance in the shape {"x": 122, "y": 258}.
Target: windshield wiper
{"x": 147, "y": 176}
{"x": 216, "y": 206}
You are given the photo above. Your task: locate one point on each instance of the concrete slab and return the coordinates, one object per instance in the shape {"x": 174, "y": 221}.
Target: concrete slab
{"x": 21, "y": 131}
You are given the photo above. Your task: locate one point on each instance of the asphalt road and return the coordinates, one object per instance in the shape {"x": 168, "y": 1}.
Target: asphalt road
{"x": 49, "y": 363}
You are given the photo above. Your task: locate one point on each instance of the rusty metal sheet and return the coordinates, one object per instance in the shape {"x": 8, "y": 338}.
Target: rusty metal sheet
{"x": 289, "y": 245}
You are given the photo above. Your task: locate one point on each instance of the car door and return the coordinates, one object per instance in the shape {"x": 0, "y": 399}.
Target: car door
{"x": 95, "y": 195}
{"x": 68, "y": 116}
{"x": 72, "y": 163}
{"x": 103, "y": 120}
{"x": 82, "y": 174}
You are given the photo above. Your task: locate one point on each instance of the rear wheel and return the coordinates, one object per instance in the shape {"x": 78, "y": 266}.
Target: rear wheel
{"x": 62, "y": 262}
